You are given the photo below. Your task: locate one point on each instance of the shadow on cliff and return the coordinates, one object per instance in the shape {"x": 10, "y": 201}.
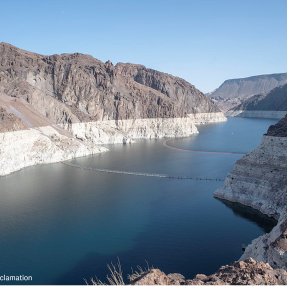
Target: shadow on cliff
{"x": 261, "y": 220}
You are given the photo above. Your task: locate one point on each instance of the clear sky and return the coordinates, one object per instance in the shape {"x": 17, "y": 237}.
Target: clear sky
{"x": 203, "y": 41}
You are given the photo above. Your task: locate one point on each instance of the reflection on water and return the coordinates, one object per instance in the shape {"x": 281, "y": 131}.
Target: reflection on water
{"x": 61, "y": 224}
{"x": 263, "y": 221}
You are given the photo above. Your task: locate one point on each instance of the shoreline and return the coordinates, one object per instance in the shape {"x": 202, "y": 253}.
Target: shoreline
{"x": 258, "y": 180}
{"x": 43, "y": 145}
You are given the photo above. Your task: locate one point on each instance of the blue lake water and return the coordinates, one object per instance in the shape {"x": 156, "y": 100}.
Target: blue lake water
{"x": 60, "y": 224}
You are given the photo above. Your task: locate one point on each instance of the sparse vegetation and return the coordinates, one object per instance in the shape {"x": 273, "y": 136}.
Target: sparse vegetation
{"x": 116, "y": 275}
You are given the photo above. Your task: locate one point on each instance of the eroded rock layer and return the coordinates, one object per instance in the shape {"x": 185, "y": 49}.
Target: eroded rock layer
{"x": 24, "y": 148}
{"x": 259, "y": 180}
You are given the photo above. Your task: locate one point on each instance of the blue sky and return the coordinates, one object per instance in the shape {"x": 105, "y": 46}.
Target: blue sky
{"x": 203, "y": 41}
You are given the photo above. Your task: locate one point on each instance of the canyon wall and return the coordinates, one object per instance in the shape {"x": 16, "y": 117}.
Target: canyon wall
{"x": 259, "y": 180}
{"x": 71, "y": 88}
{"x": 86, "y": 102}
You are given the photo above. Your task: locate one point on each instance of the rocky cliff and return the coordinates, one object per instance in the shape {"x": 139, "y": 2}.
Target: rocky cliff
{"x": 248, "y": 272}
{"x": 72, "y": 88}
{"x": 272, "y": 104}
{"x": 233, "y": 92}
{"x": 93, "y": 102}
{"x": 259, "y": 180}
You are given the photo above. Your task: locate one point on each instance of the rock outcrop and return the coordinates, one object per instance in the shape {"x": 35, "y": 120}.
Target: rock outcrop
{"x": 71, "y": 88}
{"x": 248, "y": 272}
{"x": 93, "y": 102}
{"x": 259, "y": 180}
{"x": 279, "y": 129}
{"x": 233, "y": 92}
{"x": 270, "y": 105}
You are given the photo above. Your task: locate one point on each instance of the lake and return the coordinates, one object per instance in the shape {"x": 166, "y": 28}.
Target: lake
{"x": 60, "y": 224}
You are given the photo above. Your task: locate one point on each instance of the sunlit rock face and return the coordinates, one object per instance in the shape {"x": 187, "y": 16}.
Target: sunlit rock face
{"x": 259, "y": 180}
{"x": 71, "y": 88}
{"x": 85, "y": 102}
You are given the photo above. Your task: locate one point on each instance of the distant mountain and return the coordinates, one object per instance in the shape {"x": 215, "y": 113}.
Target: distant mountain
{"x": 272, "y": 104}
{"x": 232, "y": 92}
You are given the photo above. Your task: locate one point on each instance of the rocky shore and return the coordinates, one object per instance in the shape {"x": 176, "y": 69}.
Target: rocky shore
{"x": 259, "y": 180}
{"x": 43, "y": 145}
{"x": 49, "y": 144}
{"x": 248, "y": 272}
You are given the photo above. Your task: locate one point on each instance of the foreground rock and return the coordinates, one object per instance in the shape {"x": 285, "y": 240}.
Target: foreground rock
{"x": 270, "y": 105}
{"x": 259, "y": 180}
{"x": 248, "y": 272}
{"x": 233, "y": 92}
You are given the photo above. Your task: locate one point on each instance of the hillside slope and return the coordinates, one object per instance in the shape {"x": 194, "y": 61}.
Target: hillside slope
{"x": 272, "y": 104}
{"x": 232, "y": 92}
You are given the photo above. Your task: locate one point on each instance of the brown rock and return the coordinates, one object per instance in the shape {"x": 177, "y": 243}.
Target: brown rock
{"x": 71, "y": 88}
{"x": 152, "y": 277}
{"x": 279, "y": 129}
{"x": 201, "y": 277}
{"x": 9, "y": 122}
{"x": 249, "y": 272}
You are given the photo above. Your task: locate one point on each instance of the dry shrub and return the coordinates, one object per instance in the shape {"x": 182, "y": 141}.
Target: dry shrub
{"x": 116, "y": 275}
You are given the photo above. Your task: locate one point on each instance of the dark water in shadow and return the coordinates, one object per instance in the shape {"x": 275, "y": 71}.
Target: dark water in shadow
{"x": 252, "y": 215}
{"x": 61, "y": 224}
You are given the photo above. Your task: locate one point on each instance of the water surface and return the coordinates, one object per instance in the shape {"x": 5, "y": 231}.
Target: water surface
{"x": 61, "y": 224}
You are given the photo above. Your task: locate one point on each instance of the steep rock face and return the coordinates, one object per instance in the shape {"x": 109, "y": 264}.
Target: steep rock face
{"x": 248, "y": 272}
{"x": 188, "y": 99}
{"x": 90, "y": 102}
{"x": 259, "y": 180}
{"x": 71, "y": 88}
{"x": 233, "y": 92}
{"x": 265, "y": 104}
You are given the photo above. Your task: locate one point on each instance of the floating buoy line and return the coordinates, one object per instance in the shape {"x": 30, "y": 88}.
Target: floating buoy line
{"x": 226, "y": 152}
{"x": 156, "y": 174}
{"x": 139, "y": 173}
